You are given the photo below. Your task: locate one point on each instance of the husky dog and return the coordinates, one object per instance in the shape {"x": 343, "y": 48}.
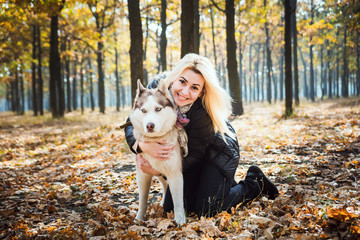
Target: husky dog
{"x": 153, "y": 118}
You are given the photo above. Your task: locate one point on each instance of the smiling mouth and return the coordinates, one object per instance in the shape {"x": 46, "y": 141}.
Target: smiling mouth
{"x": 181, "y": 97}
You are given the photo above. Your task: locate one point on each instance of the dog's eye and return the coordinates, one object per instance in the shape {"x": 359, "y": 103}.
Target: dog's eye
{"x": 158, "y": 109}
{"x": 143, "y": 110}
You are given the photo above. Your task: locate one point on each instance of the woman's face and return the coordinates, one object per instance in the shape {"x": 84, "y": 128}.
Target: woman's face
{"x": 187, "y": 88}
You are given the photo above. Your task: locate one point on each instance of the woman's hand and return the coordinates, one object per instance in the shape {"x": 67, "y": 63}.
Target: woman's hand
{"x": 145, "y": 166}
{"x": 158, "y": 150}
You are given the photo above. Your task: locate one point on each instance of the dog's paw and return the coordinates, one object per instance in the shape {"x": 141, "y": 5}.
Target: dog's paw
{"x": 138, "y": 221}
{"x": 180, "y": 219}
{"x": 139, "y": 218}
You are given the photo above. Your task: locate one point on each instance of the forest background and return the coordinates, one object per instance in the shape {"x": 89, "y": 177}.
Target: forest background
{"x": 65, "y": 55}
{"x": 67, "y": 80}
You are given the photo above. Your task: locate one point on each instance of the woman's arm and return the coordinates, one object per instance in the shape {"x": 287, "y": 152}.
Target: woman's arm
{"x": 200, "y": 133}
{"x": 129, "y": 135}
{"x": 138, "y": 147}
{"x": 145, "y": 166}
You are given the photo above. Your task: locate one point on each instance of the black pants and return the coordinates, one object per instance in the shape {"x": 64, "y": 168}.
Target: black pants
{"x": 207, "y": 191}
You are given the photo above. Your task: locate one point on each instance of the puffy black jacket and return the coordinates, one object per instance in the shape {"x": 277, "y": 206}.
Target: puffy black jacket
{"x": 204, "y": 145}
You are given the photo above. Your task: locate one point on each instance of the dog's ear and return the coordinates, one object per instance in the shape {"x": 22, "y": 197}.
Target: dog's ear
{"x": 164, "y": 88}
{"x": 140, "y": 87}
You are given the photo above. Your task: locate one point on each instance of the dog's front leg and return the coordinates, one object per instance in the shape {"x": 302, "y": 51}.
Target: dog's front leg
{"x": 164, "y": 187}
{"x": 176, "y": 183}
{"x": 143, "y": 181}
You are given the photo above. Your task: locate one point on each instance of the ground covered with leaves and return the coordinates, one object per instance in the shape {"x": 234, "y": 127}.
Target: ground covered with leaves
{"x": 74, "y": 178}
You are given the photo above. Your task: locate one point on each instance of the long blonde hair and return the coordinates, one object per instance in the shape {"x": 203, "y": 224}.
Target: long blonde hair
{"x": 215, "y": 99}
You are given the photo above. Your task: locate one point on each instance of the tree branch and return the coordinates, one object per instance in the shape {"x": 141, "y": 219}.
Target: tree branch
{"x": 217, "y": 6}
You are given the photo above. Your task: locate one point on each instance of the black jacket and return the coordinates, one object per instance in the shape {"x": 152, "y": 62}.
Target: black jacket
{"x": 203, "y": 144}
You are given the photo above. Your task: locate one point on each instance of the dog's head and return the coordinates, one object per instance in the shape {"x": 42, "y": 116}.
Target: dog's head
{"x": 153, "y": 113}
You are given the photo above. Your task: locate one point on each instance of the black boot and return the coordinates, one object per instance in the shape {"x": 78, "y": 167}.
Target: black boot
{"x": 267, "y": 187}
{"x": 242, "y": 193}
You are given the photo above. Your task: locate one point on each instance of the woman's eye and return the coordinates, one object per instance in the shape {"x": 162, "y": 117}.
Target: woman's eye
{"x": 143, "y": 110}
{"x": 158, "y": 109}
{"x": 182, "y": 81}
{"x": 195, "y": 88}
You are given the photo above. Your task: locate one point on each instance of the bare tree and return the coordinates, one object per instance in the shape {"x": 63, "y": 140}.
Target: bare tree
{"x": 288, "y": 73}
{"x": 268, "y": 59}
{"x": 234, "y": 81}
{"x": 163, "y": 40}
{"x": 295, "y": 57}
{"x": 136, "y": 46}
{"x": 312, "y": 80}
{"x": 233, "y": 74}
{"x": 102, "y": 22}
{"x": 57, "y": 98}
{"x": 187, "y": 27}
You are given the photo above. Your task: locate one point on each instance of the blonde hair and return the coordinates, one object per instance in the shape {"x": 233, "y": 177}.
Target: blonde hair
{"x": 215, "y": 99}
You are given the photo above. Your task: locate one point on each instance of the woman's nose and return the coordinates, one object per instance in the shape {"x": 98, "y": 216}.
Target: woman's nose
{"x": 185, "y": 91}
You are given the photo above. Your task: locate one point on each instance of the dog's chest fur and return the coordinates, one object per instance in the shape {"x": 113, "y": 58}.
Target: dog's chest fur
{"x": 173, "y": 162}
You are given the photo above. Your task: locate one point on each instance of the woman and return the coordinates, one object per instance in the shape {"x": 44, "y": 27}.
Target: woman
{"x": 213, "y": 151}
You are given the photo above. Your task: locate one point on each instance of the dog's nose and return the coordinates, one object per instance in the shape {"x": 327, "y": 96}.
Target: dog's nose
{"x": 150, "y": 127}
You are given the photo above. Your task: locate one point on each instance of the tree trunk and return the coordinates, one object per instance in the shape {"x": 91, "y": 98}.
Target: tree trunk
{"x": 275, "y": 85}
{"x": 330, "y": 72}
{"x": 29, "y": 97}
{"x": 306, "y": 89}
{"x": 33, "y": 71}
{"x": 250, "y": 73}
{"x": 187, "y": 27}
{"x": 81, "y": 86}
{"x": 136, "y": 47}
{"x": 22, "y": 91}
{"x": 312, "y": 84}
{"x": 322, "y": 79}
{"x": 257, "y": 89}
{"x": 268, "y": 58}
{"x": 117, "y": 85}
{"x": 55, "y": 75}
{"x": 40, "y": 79}
{"x": 17, "y": 92}
{"x": 234, "y": 82}
{"x": 12, "y": 94}
{"x": 282, "y": 86}
{"x": 287, "y": 48}
{"x": 90, "y": 73}
{"x": 240, "y": 65}
{"x": 163, "y": 39}
{"x": 213, "y": 37}
{"x": 60, "y": 88}
{"x": 358, "y": 62}
{"x": 295, "y": 56}
{"x": 337, "y": 66}
{"x": 123, "y": 95}
{"x": 312, "y": 87}
{"x": 196, "y": 27}
{"x": 74, "y": 87}
{"x": 345, "y": 79}
{"x": 101, "y": 24}
{"x": 68, "y": 84}
{"x": 145, "y": 49}
{"x": 263, "y": 74}
{"x": 101, "y": 84}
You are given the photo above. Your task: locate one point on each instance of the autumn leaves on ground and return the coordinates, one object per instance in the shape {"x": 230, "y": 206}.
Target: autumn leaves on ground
{"x": 74, "y": 178}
